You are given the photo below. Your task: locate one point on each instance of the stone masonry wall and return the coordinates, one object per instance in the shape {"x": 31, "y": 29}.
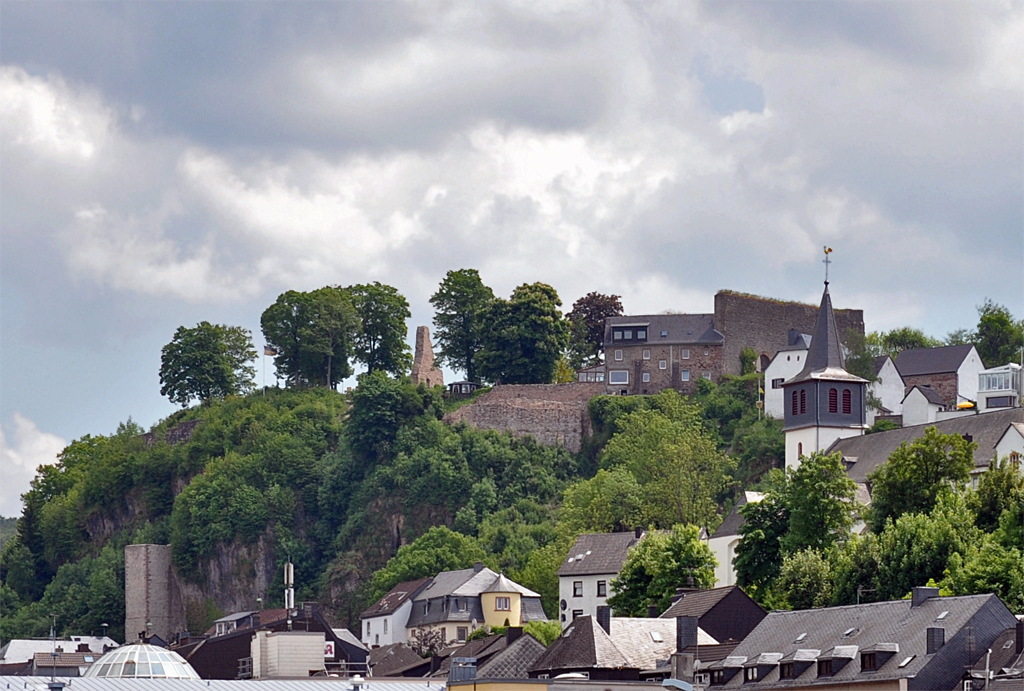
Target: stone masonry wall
{"x": 749, "y": 321}
{"x": 553, "y": 414}
{"x": 151, "y": 593}
{"x": 943, "y": 384}
{"x": 423, "y": 369}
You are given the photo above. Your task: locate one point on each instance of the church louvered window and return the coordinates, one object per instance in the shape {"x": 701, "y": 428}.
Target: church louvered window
{"x": 833, "y": 401}
{"x": 803, "y": 401}
{"x": 794, "y": 403}
{"x": 847, "y": 402}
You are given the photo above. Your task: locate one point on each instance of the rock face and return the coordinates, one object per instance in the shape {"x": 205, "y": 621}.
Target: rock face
{"x": 553, "y": 414}
{"x": 423, "y": 369}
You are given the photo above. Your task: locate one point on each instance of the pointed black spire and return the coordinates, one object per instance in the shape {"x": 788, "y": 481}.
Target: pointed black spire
{"x": 825, "y": 358}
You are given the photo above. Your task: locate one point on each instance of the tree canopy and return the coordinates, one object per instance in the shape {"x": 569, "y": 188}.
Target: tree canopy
{"x": 458, "y": 307}
{"x": 380, "y": 341}
{"x": 999, "y": 337}
{"x": 205, "y": 362}
{"x": 586, "y": 322}
{"x": 523, "y": 337}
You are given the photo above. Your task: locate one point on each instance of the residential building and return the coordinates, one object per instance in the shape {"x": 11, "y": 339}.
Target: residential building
{"x": 725, "y": 614}
{"x": 456, "y": 603}
{"x": 925, "y": 643}
{"x": 585, "y": 577}
{"x": 726, "y": 539}
{"x": 18, "y": 655}
{"x": 951, "y": 371}
{"x": 887, "y": 389}
{"x": 823, "y": 402}
{"x": 786, "y": 364}
{"x": 648, "y": 353}
{"x": 385, "y": 622}
{"x": 1000, "y": 387}
{"x": 921, "y": 405}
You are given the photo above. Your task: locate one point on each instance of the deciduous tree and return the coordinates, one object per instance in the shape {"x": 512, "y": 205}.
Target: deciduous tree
{"x": 458, "y": 305}
{"x": 380, "y": 342}
{"x": 999, "y": 337}
{"x": 313, "y": 335}
{"x": 206, "y": 362}
{"x": 523, "y": 337}
{"x": 586, "y": 320}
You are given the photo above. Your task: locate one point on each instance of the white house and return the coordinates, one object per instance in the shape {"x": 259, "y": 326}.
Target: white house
{"x": 786, "y": 364}
{"x": 385, "y": 622}
{"x": 999, "y": 387}
{"x": 950, "y": 371}
{"x": 727, "y": 538}
{"x": 921, "y": 405}
{"x": 888, "y": 388}
{"x": 584, "y": 578}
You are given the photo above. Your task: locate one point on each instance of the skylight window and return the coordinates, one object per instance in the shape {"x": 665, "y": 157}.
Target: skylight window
{"x": 849, "y": 631}
{"x": 657, "y": 637}
{"x": 942, "y": 615}
{"x": 906, "y": 661}
{"x": 800, "y": 637}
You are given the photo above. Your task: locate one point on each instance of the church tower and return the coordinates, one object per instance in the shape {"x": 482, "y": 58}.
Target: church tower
{"x": 823, "y": 402}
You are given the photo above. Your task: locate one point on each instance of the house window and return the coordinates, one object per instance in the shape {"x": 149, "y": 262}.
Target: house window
{"x": 833, "y": 401}
{"x": 367, "y": 628}
{"x": 444, "y": 635}
{"x": 647, "y": 355}
{"x": 706, "y": 351}
{"x": 750, "y": 674}
{"x": 686, "y": 354}
{"x": 577, "y": 588}
{"x": 385, "y": 626}
{"x": 803, "y": 401}
{"x": 685, "y": 374}
{"x": 800, "y": 449}
{"x": 777, "y": 383}
{"x": 787, "y": 670}
{"x": 968, "y": 685}
{"x": 664, "y": 334}
{"x": 376, "y": 639}
{"x": 602, "y": 589}
{"x": 642, "y": 334}
{"x": 824, "y": 668}
{"x": 707, "y": 375}
{"x": 577, "y": 613}
{"x": 462, "y": 632}
{"x": 847, "y": 402}
{"x": 647, "y": 377}
{"x": 662, "y": 364}
{"x": 503, "y": 604}
{"x": 718, "y": 676}
{"x": 998, "y": 402}
{"x": 794, "y": 403}
{"x": 618, "y": 376}
{"x": 628, "y": 334}
{"x": 867, "y": 662}
{"x": 617, "y": 336}
{"x": 618, "y": 355}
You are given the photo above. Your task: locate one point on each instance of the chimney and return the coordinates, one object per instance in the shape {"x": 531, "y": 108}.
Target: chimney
{"x": 638, "y": 533}
{"x": 936, "y": 638}
{"x": 604, "y": 618}
{"x": 478, "y": 567}
{"x": 686, "y": 633}
{"x": 1020, "y": 637}
{"x": 513, "y": 634}
{"x": 435, "y": 663}
{"x": 652, "y": 611}
{"x": 920, "y": 594}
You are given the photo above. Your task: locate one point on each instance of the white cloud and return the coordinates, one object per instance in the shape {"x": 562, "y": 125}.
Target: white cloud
{"x": 30, "y": 448}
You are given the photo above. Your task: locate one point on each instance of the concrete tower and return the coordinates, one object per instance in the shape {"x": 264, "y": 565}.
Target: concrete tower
{"x": 823, "y": 402}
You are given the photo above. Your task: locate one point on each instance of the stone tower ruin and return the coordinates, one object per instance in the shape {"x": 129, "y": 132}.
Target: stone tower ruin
{"x": 423, "y": 369}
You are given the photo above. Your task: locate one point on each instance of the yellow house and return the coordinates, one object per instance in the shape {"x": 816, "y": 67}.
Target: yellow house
{"x": 502, "y": 603}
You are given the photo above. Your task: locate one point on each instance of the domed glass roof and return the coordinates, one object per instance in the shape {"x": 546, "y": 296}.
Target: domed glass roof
{"x": 142, "y": 661}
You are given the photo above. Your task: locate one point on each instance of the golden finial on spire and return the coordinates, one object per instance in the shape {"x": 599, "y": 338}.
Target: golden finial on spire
{"x": 828, "y": 251}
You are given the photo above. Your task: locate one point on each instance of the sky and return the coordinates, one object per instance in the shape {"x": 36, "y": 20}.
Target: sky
{"x": 166, "y": 163}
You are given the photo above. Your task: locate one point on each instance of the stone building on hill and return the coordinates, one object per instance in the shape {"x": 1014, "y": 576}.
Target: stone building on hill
{"x": 423, "y": 369}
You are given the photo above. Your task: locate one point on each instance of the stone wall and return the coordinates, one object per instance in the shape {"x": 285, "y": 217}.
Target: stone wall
{"x": 944, "y": 384}
{"x": 152, "y": 596}
{"x": 553, "y": 414}
{"x": 749, "y": 321}
{"x": 423, "y": 369}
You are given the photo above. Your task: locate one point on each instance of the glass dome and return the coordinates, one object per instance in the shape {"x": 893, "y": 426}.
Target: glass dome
{"x": 142, "y": 661}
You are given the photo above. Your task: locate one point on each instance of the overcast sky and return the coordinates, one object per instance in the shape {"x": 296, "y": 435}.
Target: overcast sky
{"x": 168, "y": 163}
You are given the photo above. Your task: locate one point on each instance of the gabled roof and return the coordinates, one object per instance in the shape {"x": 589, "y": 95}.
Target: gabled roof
{"x": 872, "y": 450}
{"x": 697, "y": 603}
{"x": 514, "y": 661}
{"x": 797, "y": 340}
{"x": 734, "y": 521}
{"x": 842, "y": 632}
{"x": 482, "y": 649}
{"x": 930, "y": 395}
{"x": 465, "y": 583}
{"x": 598, "y": 553}
{"x": 501, "y": 584}
{"x": 825, "y": 356}
{"x": 692, "y": 329}
{"x": 395, "y": 597}
{"x": 880, "y": 363}
{"x": 388, "y": 658}
{"x": 941, "y": 360}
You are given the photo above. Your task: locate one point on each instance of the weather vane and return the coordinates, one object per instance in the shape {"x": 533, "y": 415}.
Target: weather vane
{"x": 828, "y": 251}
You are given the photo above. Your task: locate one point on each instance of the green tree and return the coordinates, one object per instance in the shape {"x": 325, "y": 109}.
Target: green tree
{"x": 327, "y": 336}
{"x": 860, "y": 360}
{"x": 458, "y": 306}
{"x": 676, "y": 463}
{"x": 660, "y": 563}
{"x": 821, "y": 500}
{"x": 854, "y": 567}
{"x": 381, "y": 406}
{"x": 805, "y": 579}
{"x": 911, "y": 479}
{"x": 523, "y": 337}
{"x": 608, "y": 502}
{"x": 998, "y": 490}
{"x": 206, "y": 362}
{"x": 988, "y": 567}
{"x": 999, "y": 338}
{"x": 586, "y": 320}
{"x": 544, "y": 631}
{"x": 905, "y": 338}
{"x": 438, "y": 549}
{"x": 759, "y": 554}
{"x": 380, "y": 342}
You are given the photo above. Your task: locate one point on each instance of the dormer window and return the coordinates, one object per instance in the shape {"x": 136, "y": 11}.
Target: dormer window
{"x": 617, "y": 335}
{"x": 628, "y": 334}
{"x": 787, "y": 670}
{"x": 750, "y": 674}
{"x": 824, "y": 668}
{"x": 718, "y": 676}
{"x": 642, "y": 334}
{"x": 868, "y": 662}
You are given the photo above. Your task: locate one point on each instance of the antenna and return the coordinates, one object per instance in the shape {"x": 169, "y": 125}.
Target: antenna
{"x": 289, "y": 585}
{"x": 828, "y": 251}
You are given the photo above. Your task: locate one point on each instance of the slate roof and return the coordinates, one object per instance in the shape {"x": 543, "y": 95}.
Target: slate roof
{"x": 880, "y": 363}
{"x": 930, "y": 395}
{"x": 941, "y": 360}
{"x": 387, "y": 658}
{"x": 825, "y": 355}
{"x": 734, "y": 521}
{"x": 698, "y": 603}
{"x": 838, "y": 632}
{"x": 597, "y": 553}
{"x": 692, "y": 329}
{"x": 796, "y": 340}
{"x": 585, "y": 645}
{"x": 454, "y": 596}
{"x": 514, "y": 661}
{"x": 349, "y": 637}
{"x": 872, "y": 450}
{"x": 480, "y": 648}
{"x": 395, "y": 598}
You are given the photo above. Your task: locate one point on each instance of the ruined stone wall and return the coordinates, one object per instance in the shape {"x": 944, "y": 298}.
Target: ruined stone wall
{"x": 152, "y": 594}
{"x": 553, "y": 414}
{"x": 423, "y": 369}
{"x": 749, "y": 321}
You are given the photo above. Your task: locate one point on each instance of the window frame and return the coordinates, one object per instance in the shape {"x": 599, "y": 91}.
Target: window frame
{"x": 618, "y": 355}
{"x": 684, "y": 375}
{"x": 620, "y": 381}
{"x": 577, "y": 588}
{"x": 685, "y": 354}
{"x": 646, "y": 354}
{"x": 502, "y": 604}
{"x": 646, "y": 377}
{"x": 662, "y": 364}
{"x": 602, "y": 588}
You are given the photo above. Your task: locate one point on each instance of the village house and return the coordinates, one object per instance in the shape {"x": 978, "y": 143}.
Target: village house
{"x": 585, "y": 576}
{"x": 385, "y": 622}
{"x": 950, "y": 371}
